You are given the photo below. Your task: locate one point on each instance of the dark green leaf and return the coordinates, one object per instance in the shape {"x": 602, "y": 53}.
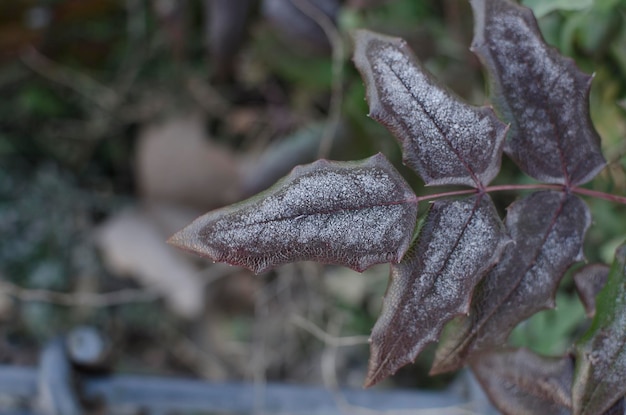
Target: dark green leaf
{"x": 601, "y": 352}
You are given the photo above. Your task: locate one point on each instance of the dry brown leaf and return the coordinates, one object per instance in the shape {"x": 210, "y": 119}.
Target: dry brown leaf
{"x": 133, "y": 245}
{"x": 177, "y": 163}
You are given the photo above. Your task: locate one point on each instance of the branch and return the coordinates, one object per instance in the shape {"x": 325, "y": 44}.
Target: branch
{"x": 325, "y": 337}
{"x": 78, "y": 299}
{"x": 105, "y": 97}
{"x": 336, "y": 97}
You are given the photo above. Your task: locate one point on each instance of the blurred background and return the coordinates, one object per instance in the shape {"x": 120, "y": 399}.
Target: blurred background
{"x": 121, "y": 121}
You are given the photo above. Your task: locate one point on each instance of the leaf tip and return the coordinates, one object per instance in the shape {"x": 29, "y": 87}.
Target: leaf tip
{"x": 181, "y": 239}
{"x": 377, "y": 373}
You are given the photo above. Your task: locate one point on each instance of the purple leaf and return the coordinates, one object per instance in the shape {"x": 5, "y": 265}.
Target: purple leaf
{"x": 542, "y": 94}
{"x": 601, "y": 352}
{"x": 459, "y": 241}
{"x": 589, "y": 281}
{"x": 548, "y": 229}
{"x": 349, "y": 213}
{"x": 445, "y": 140}
{"x": 520, "y": 382}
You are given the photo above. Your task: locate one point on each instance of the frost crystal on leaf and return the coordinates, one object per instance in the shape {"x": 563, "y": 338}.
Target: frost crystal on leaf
{"x": 445, "y": 140}
{"x": 349, "y": 213}
{"x": 542, "y": 94}
{"x": 601, "y": 352}
{"x": 548, "y": 229}
{"x": 459, "y": 241}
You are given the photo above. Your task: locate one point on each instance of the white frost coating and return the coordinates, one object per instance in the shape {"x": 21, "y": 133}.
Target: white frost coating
{"x": 444, "y": 139}
{"x": 350, "y": 213}
{"x": 552, "y": 138}
{"x": 458, "y": 243}
{"x": 548, "y": 230}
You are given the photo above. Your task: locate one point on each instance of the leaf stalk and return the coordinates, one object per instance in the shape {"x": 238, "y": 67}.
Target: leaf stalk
{"x": 516, "y": 187}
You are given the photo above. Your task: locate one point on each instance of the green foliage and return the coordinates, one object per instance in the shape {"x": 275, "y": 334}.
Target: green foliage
{"x": 551, "y": 332}
{"x": 542, "y": 7}
{"x": 600, "y": 352}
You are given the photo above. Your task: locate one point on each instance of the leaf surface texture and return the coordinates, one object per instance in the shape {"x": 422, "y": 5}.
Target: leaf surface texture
{"x": 445, "y": 140}
{"x": 540, "y": 93}
{"x": 547, "y": 229}
{"x": 458, "y": 242}
{"x": 354, "y": 214}
{"x": 520, "y": 382}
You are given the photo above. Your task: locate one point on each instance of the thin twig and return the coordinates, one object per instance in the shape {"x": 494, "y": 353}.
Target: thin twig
{"x": 78, "y": 299}
{"x": 338, "y": 55}
{"x": 105, "y": 97}
{"x": 198, "y": 359}
{"x": 325, "y": 337}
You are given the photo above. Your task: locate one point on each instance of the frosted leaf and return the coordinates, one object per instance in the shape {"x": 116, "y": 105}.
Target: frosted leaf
{"x": 601, "y": 352}
{"x": 589, "y": 281}
{"x": 459, "y": 241}
{"x": 548, "y": 230}
{"x": 349, "y": 213}
{"x": 445, "y": 140}
{"x": 540, "y": 93}
{"x": 520, "y": 382}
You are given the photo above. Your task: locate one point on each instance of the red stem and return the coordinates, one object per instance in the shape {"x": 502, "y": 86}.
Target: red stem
{"x": 445, "y": 194}
{"x": 513, "y": 187}
{"x": 600, "y": 195}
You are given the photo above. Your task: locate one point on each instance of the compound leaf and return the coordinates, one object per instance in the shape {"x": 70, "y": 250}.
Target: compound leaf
{"x": 459, "y": 241}
{"x": 350, "y": 213}
{"x": 445, "y": 140}
{"x": 520, "y": 382}
{"x": 540, "y": 93}
{"x": 601, "y": 352}
{"x": 548, "y": 229}
{"x": 589, "y": 281}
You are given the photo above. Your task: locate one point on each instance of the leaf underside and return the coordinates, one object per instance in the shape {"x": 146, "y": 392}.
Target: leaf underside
{"x": 548, "y": 229}
{"x": 445, "y": 140}
{"x": 589, "y": 281}
{"x": 354, "y": 214}
{"x": 540, "y": 93}
{"x": 520, "y": 382}
{"x": 601, "y": 352}
{"x": 459, "y": 241}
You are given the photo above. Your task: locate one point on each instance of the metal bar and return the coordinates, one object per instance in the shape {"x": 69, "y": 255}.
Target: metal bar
{"x": 136, "y": 392}
{"x": 18, "y": 382}
{"x": 56, "y": 392}
{"x": 146, "y": 394}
